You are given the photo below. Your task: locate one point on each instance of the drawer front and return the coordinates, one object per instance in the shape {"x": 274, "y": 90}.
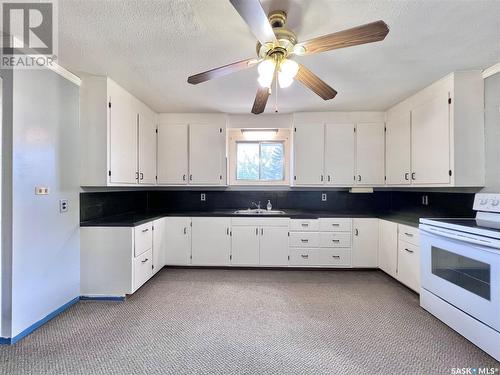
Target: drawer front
{"x": 304, "y": 257}
{"x": 335, "y": 257}
{"x": 409, "y": 265}
{"x": 409, "y": 234}
{"x": 143, "y": 235}
{"x": 335, "y": 239}
{"x": 306, "y": 225}
{"x": 335, "y": 225}
{"x": 260, "y": 221}
{"x": 143, "y": 269}
{"x": 304, "y": 239}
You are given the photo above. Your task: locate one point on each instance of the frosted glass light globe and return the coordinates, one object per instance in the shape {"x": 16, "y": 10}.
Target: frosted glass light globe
{"x": 289, "y": 68}
{"x": 266, "y": 68}
{"x": 284, "y": 80}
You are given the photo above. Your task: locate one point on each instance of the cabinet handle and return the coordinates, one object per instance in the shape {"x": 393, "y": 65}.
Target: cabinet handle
{"x": 227, "y": 231}
{"x": 185, "y": 230}
{"x": 356, "y": 232}
{"x": 407, "y": 176}
{"x": 305, "y": 256}
{"x": 410, "y": 251}
{"x": 145, "y": 230}
{"x": 329, "y": 179}
{"x": 305, "y": 224}
{"x": 256, "y": 231}
{"x": 261, "y": 231}
{"x": 136, "y": 175}
{"x": 142, "y": 176}
{"x": 359, "y": 178}
{"x": 183, "y": 177}
{"x": 336, "y": 256}
{"x": 335, "y": 225}
{"x": 413, "y": 176}
{"x": 409, "y": 234}
{"x": 321, "y": 178}
{"x": 304, "y": 240}
{"x": 145, "y": 260}
{"x": 190, "y": 177}
{"x": 335, "y": 240}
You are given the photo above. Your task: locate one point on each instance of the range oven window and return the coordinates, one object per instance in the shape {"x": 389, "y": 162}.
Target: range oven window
{"x": 467, "y": 273}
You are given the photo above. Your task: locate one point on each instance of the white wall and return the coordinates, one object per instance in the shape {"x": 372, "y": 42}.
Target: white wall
{"x": 45, "y": 254}
{"x": 492, "y": 132}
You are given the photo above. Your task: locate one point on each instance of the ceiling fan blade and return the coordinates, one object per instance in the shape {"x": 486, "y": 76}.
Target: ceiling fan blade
{"x": 222, "y": 71}
{"x": 255, "y": 17}
{"x": 316, "y": 84}
{"x": 259, "y": 105}
{"x": 371, "y": 32}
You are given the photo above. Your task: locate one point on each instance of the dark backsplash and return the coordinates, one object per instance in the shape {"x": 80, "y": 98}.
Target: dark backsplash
{"x": 96, "y": 205}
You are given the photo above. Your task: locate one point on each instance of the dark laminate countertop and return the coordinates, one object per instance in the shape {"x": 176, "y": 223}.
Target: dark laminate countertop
{"x": 137, "y": 218}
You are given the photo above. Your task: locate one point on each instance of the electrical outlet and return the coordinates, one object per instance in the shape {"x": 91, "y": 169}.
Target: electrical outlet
{"x": 41, "y": 190}
{"x": 323, "y": 197}
{"x": 425, "y": 200}
{"x": 203, "y": 197}
{"x": 63, "y": 205}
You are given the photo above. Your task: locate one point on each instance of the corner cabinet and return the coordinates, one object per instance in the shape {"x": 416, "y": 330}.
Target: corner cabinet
{"x": 117, "y": 136}
{"x": 192, "y": 154}
{"x": 435, "y": 138}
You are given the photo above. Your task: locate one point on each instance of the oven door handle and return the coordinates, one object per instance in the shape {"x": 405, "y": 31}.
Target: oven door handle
{"x": 457, "y": 236}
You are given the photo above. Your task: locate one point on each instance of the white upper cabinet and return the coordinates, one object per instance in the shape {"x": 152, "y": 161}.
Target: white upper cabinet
{"x": 308, "y": 154}
{"x": 370, "y": 151}
{"x": 397, "y": 149}
{"x": 173, "y": 168}
{"x": 207, "y": 154}
{"x": 147, "y": 149}
{"x": 122, "y": 136}
{"x": 339, "y": 154}
{"x": 446, "y": 137}
{"x": 116, "y": 139}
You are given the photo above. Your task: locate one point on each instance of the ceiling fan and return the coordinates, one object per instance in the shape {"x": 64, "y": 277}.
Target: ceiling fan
{"x": 276, "y": 44}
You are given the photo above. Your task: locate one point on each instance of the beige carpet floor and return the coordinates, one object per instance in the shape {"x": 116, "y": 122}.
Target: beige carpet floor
{"x": 209, "y": 321}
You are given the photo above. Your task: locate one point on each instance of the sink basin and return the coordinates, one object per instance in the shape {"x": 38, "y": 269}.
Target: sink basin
{"x": 257, "y": 211}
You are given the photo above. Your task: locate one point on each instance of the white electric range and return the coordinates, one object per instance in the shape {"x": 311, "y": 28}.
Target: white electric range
{"x": 460, "y": 272}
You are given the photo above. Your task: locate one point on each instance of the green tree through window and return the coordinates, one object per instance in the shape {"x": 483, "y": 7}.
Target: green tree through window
{"x": 260, "y": 161}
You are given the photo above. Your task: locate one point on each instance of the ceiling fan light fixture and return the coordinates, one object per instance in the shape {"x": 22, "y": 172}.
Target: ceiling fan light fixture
{"x": 284, "y": 80}
{"x": 289, "y": 68}
{"x": 266, "y": 72}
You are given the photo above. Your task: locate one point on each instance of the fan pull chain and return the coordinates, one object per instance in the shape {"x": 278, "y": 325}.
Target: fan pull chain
{"x": 276, "y": 91}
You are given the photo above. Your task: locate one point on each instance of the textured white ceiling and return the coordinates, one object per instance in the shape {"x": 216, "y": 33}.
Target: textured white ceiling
{"x": 150, "y": 47}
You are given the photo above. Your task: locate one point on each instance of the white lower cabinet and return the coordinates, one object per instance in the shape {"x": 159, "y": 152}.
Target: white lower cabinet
{"x": 388, "y": 247}
{"x": 159, "y": 244}
{"x": 211, "y": 241}
{"x": 143, "y": 269}
{"x": 259, "y": 242}
{"x": 409, "y": 257}
{"x": 178, "y": 241}
{"x": 365, "y": 243}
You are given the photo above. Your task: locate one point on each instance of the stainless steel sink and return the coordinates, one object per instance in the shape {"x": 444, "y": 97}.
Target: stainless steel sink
{"x": 258, "y": 211}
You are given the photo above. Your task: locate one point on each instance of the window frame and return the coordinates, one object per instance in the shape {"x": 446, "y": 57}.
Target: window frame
{"x": 236, "y": 136}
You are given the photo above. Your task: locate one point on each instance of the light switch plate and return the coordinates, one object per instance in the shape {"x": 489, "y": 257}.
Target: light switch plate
{"x": 323, "y": 197}
{"x": 41, "y": 190}
{"x": 203, "y": 197}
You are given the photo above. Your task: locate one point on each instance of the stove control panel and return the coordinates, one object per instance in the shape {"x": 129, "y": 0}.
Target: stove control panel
{"x": 487, "y": 202}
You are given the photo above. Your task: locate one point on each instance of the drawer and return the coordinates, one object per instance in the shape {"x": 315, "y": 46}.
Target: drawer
{"x": 335, "y": 225}
{"x": 304, "y": 239}
{"x": 334, "y": 257}
{"x": 409, "y": 265}
{"x": 409, "y": 234}
{"x": 143, "y": 235}
{"x": 335, "y": 239}
{"x": 304, "y": 257}
{"x": 143, "y": 269}
{"x": 306, "y": 225}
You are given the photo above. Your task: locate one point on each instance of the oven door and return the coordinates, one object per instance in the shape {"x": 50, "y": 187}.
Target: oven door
{"x": 465, "y": 274}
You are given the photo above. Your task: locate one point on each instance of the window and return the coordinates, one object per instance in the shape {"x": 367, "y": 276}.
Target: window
{"x": 259, "y": 156}
{"x": 260, "y": 161}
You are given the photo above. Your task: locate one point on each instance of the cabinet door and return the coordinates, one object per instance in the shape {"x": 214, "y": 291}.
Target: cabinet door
{"x": 211, "y": 243}
{"x": 409, "y": 265}
{"x": 388, "y": 247}
{"x": 308, "y": 154}
{"x": 172, "y": 154}
{"x": 274, "y": 246}
{"x": 245, "y": 246}
{"x": 431, "y": 142}
{"x": 398, "y": 149}
{"x": 147, "y": 150}
{"x": 122, "y": 136}
{"x": 370, "y": 151}
{"x": 207, "y": 152}
{"x": 159, "y": 244}
{"x": 339, "y": 154}
{"x": 178, "y": 241}
{"x": 365, "y": 243}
